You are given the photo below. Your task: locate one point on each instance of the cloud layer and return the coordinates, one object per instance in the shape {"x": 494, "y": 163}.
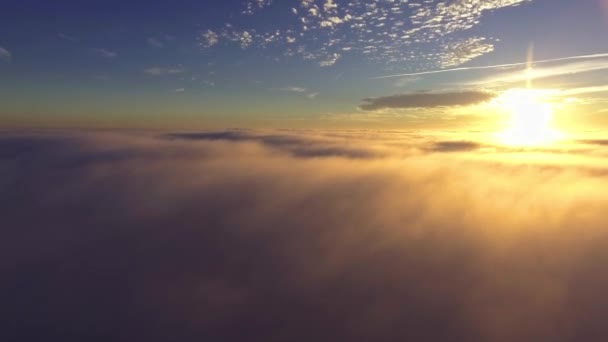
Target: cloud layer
{"x": 282, "y": 235}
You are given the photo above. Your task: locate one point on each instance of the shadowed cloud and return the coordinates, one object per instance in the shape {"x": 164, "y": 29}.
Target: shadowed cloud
{"x": 454, "y": 146}
{"x": 426, "y": 100}
{"x": 297, "y": 145}
{"x": 600, "y": 142}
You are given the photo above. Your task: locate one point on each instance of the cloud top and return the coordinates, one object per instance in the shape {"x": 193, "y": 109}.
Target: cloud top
{"x": 185, "y": 236}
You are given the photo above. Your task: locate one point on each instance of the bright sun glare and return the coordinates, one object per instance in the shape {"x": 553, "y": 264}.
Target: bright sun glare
{"x": 530, "y": 121}
{"x": 531, "y": 115}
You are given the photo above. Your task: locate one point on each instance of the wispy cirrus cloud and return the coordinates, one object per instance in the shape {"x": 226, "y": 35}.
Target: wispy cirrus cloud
{"x": 161, "y": 71}
{"x": 497, "y": 66}
{"x": 252, "y": 6}
{"x": 294, "y": 89}
{"x": 5, "y": 55}
{"x": 535, "y": 73}
{"x": 155, "y": 42}
{"x": 313, "y": 96}
{"x": 160, "y": 40}
{"x": 67, "y": 37}
{"x": 105, "y": 53}
{"x": 301, "y": 90}
{"x": 584, "y": 90}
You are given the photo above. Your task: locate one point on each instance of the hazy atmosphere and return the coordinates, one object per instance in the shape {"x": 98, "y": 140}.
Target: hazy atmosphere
{"x": 304, "y": 170}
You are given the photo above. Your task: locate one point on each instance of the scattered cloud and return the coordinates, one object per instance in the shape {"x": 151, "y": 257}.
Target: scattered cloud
{"x": 463, "y": 51}
{"x": 301, "y": 90}
{"x": 162, "y": 71}
{"x": 208, "y": 39}
{"x": 160, "y": 40}
{"x": 155, "y": 42}
{"x": 294, "y": 89}
{"x": 405, "y": 81}
{"x": 426, "y": 100}
{"x": 330, "y": 60}
{"x": 105, "y": 53}
{"x": 384, "y": 31}
{"x": 5, "y": 55}
{"x": 67, "y": 37}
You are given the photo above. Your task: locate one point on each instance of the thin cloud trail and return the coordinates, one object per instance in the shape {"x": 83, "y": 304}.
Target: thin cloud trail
{"x": 500, "y": 66}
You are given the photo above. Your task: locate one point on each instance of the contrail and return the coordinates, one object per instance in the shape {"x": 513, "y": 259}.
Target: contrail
{"x": 500, "y": 66}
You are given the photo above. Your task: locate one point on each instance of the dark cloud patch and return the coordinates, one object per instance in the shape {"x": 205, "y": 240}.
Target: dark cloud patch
{"x": 225, "y": 135}
{"x": 454, "y": 146}
{"x": 296, "y": 145}
{"x": 217, "y": 241}
{"x": 600, "y": 142}
{"x": 426, "y": 100}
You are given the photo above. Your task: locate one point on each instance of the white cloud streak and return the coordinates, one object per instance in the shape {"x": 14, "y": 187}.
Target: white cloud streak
{"x": 585, "y": 90}
{"x": 295, "y": 89}
{"x": 498, "y": 66}
{"x": 545, "y": 72}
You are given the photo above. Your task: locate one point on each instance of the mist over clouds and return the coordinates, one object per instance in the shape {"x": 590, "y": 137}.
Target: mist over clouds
{"x": 300, "y": 236}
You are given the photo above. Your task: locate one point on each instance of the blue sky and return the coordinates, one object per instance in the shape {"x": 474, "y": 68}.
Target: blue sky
{"x": 278, "y": 63}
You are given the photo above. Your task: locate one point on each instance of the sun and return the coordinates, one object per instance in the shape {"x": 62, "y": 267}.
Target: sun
{"x": 530, "y": 118}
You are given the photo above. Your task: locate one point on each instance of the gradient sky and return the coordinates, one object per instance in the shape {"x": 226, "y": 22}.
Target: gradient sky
{"x": 304, "y": 170}
{"x": 296, "y": 63}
